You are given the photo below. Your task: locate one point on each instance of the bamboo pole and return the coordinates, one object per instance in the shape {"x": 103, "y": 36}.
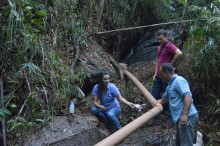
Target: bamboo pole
{"x": 145, "y": 26}
{"x": 3, "y": 117}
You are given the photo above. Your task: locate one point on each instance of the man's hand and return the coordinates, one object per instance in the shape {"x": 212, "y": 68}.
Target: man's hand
{"x": 184, "y": 120}
{"x": 157, "y": 103}
{"x": 154, "y": 77}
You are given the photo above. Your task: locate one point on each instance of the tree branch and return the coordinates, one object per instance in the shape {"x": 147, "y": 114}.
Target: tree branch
{"x": 22, "y": 107}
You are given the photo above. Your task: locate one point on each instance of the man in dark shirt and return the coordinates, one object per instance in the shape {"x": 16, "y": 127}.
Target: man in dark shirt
{"x": 167, "y": 52}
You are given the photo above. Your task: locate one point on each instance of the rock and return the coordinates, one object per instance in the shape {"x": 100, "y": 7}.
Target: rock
{"x": 146, "y": 48}
{"x": 80, "y": 132}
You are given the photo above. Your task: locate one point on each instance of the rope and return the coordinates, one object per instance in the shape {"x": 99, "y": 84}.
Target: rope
{"x": 131, "y": 28}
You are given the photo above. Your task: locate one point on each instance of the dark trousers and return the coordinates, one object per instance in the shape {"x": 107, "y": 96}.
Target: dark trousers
{"x": 158, "y": 88}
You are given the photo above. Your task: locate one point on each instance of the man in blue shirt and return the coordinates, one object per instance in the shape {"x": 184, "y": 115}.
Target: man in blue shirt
{"x": 183, "y": 111}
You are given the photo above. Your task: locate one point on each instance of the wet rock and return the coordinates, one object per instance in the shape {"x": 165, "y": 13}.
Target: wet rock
{"x": 146, "y": 48}
{"x": 161, "y": 135}
{"x": 81, "y": 131}
{"x": 94, "y": 59}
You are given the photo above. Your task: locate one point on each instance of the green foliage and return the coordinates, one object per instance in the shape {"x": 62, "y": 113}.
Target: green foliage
{"x": 35, "y": 37}
{"x": 129, "y": 13}
{"x": 184, "y": 2}
{"x": 30, "y": 68}
{"x": 19, "y": 126}
{"x": 33, "y": 66}
{"x": 157, "y": 11}
{"x": 3, "y": 113}
{"x": 203, "y": 46}
{"x": 201, "y": 64}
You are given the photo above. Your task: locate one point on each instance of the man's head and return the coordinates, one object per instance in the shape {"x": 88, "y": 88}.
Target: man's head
{"x": 162, "y": 36}
{"x": 166, "y": 72}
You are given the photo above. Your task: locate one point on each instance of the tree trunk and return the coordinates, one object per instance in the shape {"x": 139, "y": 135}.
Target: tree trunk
{"x": 133, "y": 9}
{"x": 100, "y": 10}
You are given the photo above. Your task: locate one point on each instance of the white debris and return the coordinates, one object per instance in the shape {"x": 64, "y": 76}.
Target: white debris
{"x": 199, "y": 141}
{"x": 138, "y": 107}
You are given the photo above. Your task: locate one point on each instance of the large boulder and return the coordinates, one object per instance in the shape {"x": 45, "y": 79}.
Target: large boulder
{"x": 146, "y": 49}
{"x": 68, "y": 130}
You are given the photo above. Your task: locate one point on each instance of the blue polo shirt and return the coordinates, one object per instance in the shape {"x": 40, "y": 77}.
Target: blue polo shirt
{"x": 110, "y": 97}
{"x": 176, "y": 90}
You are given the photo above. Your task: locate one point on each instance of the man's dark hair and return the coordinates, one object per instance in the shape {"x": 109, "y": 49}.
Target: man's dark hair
{"x": 162, "y": 32}
{"x": 167, "y": 67}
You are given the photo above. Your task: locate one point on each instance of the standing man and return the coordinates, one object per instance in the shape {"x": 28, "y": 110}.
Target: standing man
{"x": 183, "y": 111}
{"x": 167, "y": 52}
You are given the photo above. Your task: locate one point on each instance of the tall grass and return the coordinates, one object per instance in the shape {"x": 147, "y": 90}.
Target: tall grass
{"x": 202, "y": 52}
{"x": 33, "y": 39}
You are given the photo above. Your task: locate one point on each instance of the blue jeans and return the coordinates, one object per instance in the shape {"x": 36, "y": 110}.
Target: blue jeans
{"x": 108, "y": 115}
{"x": 185, "y": 134}
{"x": 158, "y": 87}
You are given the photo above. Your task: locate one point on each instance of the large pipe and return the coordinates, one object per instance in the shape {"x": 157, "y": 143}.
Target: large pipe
{"x": 121, "y": 134}
{"x": 143, "y": 90}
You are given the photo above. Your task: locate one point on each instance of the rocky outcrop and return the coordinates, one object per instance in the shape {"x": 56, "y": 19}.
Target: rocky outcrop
{"x": 80, "y": 131}
{"x": 146, "y": 48}
{"x": 94, "y": 59}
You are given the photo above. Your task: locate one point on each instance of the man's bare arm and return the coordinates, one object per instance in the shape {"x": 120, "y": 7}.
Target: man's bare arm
{"x": 187, "y": 104}
{"x": 178, "y": 53}
{"x": 162, "y": 101}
